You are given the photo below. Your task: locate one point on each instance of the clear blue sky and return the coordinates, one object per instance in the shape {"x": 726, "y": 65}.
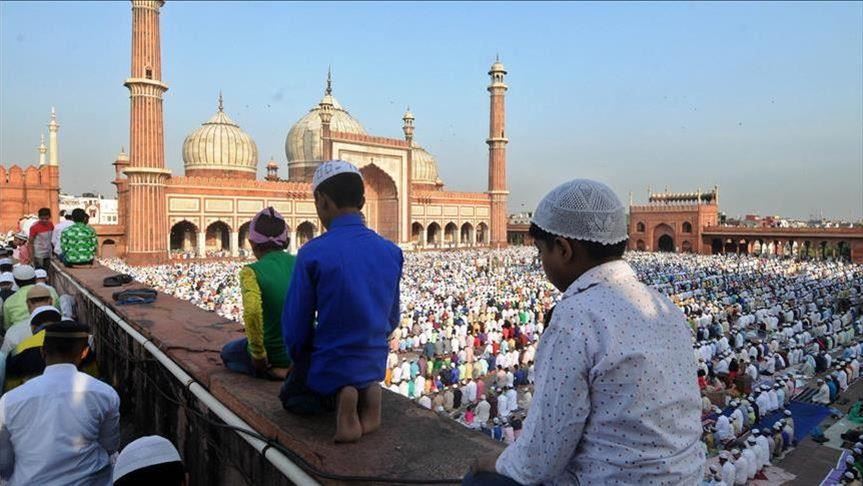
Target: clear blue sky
{"x": 765, "y": 100}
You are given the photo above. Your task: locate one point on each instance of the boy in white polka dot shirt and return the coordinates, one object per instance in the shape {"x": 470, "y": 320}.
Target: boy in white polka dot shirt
{"x": 616, "y": 399}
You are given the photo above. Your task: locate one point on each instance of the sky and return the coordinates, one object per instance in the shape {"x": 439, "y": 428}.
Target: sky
{"x": 763, "y": 99}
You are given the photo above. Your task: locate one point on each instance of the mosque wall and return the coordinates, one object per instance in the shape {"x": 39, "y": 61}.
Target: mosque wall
{"x": 23, "y": 191}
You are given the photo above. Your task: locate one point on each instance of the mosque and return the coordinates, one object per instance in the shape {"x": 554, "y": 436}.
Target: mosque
{"x": 207, "y": 210}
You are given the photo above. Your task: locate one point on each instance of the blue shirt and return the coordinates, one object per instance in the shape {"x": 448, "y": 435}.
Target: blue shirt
{"x": 350, "y": 276}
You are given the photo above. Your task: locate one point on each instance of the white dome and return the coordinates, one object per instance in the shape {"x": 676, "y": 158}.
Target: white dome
{"x": 424, "y": 169}
{"x": 220, "y": 144}
{"x": 303, "y": 143}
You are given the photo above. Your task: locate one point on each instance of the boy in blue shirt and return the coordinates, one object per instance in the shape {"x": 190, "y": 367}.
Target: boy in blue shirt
{"x": 349, "y": 277}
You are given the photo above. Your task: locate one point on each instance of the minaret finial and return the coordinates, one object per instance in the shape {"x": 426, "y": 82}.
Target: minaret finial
{"x": 329, "y": 80}
{"x": 221, "y": 105}
{"x": 497, "y": 57}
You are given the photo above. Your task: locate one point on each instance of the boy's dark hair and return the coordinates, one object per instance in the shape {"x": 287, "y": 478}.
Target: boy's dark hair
{"x": 346, "y": 190}
{"x": 62, "y": 213}
{"x": 44, "y": 212}
{"x": 164, "y": 474}
{"x": 66, "y": 347}
{"x": 80, "y": 216}
{"x": 596, "y": 251}
{"x": 270, "y": 225}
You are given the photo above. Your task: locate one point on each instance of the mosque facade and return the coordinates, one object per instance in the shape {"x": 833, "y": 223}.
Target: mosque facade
{"x": 208, "y": 209}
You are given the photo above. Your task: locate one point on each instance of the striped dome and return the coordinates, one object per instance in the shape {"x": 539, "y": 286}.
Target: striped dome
{"x": 303, "y": 143}
{"x": 424, "y": 166}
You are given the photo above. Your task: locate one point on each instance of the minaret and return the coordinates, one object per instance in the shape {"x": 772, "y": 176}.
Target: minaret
{"x": 42, "y": 150}
{"x": 51, "y": 171}
{"x": 408, "y": 128}
{"x": 326, "y": 114}
{"x": 147, "y": 218}
{"x": 122, "y": 184}
{"x": 497, "y": 189}
{"x": 53, "y": 127}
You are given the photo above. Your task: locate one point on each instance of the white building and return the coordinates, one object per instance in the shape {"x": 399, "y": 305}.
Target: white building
{"x": 102, "y": 210}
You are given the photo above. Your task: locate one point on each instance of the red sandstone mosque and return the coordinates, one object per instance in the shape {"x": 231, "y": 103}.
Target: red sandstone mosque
{"x": 209, "y": 208}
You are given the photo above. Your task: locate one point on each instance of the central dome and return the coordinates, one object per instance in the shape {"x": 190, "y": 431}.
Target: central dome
{"x": 303, "y": 146}
{"x": 219, "y": 148}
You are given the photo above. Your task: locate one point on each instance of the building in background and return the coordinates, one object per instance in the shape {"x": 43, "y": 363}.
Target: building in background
{"x": 102, "y": 210}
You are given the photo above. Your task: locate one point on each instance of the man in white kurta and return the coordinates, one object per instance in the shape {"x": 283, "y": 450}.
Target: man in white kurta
{"x": 61, "y": 427}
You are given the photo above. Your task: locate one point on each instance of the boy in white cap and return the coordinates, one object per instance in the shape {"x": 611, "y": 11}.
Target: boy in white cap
{"x": 614, "y": 399}
{"x": 150, "y": 460}
{"x": 727, "y": 466}
{"x": 347, "y": 280}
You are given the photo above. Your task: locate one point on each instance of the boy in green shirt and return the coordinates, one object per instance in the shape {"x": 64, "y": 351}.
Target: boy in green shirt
{"x": 78, "y": 242}
{"x": 263, "y": 285}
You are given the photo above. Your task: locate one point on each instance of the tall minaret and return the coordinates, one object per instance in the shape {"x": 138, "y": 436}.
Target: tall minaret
{"x": 147, "y": 218}
{"x": 497, "y": 141}
{"x": 53, "y": 127}
{"x": 42, "y": 150}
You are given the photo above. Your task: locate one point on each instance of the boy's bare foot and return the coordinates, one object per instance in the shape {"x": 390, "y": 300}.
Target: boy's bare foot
{"x": 348, "y": 427}
{"x": 370, "y": 408}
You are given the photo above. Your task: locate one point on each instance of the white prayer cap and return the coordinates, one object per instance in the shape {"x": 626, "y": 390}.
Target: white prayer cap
{"x": 787, "y": 412}
{"x": 582, "y": 209}
{"x": 6, "y": 277}
{"x": 41, "y": 273}
{"x": 735, "y": 452}
{"x": 724, "y": 455}
{"x": 23, "y": 272}
{"x": 44, "y": 308}
{"x": 750, "y": 440}
{"x": 756, "y": 431}
{"x": 331, "y": 168}
{"x": 6, "y": 261}
{"x": 145, "y": 452}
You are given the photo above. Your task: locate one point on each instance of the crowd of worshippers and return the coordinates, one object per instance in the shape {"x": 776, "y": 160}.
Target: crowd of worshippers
{"x": 765, "y": 331}
{"x": 58, "y": 423}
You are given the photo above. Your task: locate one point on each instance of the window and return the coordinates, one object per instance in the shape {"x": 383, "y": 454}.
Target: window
{"x": 687, "y": 227}
{"x": 639, "y": 227}
{"x": 148, "y": 73}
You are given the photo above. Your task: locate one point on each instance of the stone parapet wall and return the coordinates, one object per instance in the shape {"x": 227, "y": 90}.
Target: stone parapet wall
{"x": 414, "y": 443}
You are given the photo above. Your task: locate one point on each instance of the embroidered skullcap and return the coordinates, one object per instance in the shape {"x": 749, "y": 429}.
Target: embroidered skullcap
{"x": 6, "y": 277}
{"x": 331, "y": 168}
{"x": 145, "y": 452}
{"x": 582, "y": 209}
{"x": 41, "y": 273}
{"x": 259, "y": 238}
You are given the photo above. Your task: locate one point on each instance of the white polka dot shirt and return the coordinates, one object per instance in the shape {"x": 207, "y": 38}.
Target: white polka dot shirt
{"x": 616, "y": 398}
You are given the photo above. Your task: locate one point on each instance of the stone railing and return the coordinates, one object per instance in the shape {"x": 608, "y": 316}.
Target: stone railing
{"x": 163, "y": 358}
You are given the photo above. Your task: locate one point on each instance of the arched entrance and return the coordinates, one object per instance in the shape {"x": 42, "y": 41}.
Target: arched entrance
{"x": 686, "y": 247}
{"x": 243, "y": 243}
{"x": 218, "y": 237}
{"x": 482, "y": 234}
{"x": 665, "y": 243}
{"x": 305, "y": 232}
{"x": 467, "y": 234}
{"x": 716, "y": 246}
{"x": 109, "y": 249}
{"x": 184, "y": 237}
{"x": 382, "y": 203}
{"x": 433, "y": 234}
{"x": 640, "y": 246}
{"x": 663, "y": 235}
{"x": 450, "y": 234}
{"x": 417, "y": 234}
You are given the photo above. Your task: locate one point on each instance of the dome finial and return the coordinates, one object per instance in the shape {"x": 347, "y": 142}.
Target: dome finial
{"x": 329, "y": 90}
{"x": 221, "y": 105}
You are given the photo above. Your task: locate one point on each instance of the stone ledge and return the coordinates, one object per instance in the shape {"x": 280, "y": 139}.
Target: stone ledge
{"x": 413, "y": 443}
